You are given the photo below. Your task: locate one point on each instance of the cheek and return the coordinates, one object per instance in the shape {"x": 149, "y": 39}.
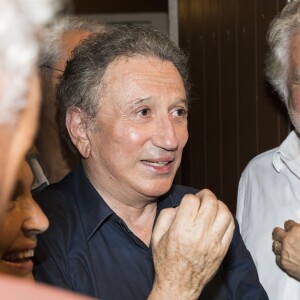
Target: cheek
{"x": 294, "y": 100}
{"x": 182, "y": 135}
{"x": 134, "y": 135}
{"x": 8, "y": 231}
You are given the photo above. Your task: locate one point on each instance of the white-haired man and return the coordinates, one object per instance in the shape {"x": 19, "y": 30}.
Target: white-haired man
{"x": 269, "y": 189}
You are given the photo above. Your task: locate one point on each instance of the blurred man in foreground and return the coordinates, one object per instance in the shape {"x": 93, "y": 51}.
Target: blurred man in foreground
{"x": 21, "y": 28}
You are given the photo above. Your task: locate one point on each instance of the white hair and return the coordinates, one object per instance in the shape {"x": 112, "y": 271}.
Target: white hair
{"x": 52, "y": 48}
{"x": 21, "y": 24}
{"x": 282, "y": 29}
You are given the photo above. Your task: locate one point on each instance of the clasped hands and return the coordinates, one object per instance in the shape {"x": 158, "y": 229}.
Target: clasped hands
{"x": 189, "y": 244}
{"x": 286, "y": 246}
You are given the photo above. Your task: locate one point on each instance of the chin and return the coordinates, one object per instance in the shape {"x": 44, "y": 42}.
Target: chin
{"x": 27, "y": 275}
{"x": 156, "y": 190}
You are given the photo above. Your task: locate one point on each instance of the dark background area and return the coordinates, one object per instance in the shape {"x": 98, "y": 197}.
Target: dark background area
{"x": 234, "y": 113}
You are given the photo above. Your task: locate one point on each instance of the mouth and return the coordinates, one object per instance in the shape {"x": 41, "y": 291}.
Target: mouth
{"x": 157, "y": 163}
{"x": 18, "y": 257}
{"x": 159, "y": 167}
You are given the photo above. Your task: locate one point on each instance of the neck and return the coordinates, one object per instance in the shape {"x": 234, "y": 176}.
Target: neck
{"x": 136, "y": 210}
{"x": 139, "y": 220}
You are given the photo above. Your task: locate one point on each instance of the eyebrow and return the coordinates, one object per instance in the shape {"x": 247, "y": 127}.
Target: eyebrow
{"x": 141, "y": 100}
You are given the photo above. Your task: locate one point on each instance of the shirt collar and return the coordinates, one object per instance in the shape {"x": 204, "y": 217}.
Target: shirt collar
{"x": 288, "y": 154}
{"x": 94, "y": 210}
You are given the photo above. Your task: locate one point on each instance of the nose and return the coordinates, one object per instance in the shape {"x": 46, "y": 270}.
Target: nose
{"x": 35, "y": 222}
{"x": 165, "y": 134}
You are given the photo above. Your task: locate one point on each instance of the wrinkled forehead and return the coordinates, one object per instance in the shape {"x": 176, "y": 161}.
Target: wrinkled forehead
{"x": 144, "y": 69}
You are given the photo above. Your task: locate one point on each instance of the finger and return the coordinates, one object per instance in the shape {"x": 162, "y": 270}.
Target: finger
{"x": 226, "y": 240}
{"x": 278, "y": 234}
{"x": 205, "y": 193}
{"x": 277, "y": 247}
{"x": 278, "y": 260}
{"x": 187, "y": 210}
{"x": 163, "y": 223}
{"x": 208, "y": 209}
{"x": 289, "y": 224}
{"x": 222, "y": 220}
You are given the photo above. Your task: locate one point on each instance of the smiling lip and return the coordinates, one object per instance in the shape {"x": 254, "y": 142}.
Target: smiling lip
{"x": 19, "y": 260}
{"x": 163, "y": 166}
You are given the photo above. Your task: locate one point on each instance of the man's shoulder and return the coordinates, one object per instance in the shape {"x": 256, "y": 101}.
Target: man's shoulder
{"x": 56, "y": 195}
{"x": 59, "y": 203}
{"x": 262, "y": 161}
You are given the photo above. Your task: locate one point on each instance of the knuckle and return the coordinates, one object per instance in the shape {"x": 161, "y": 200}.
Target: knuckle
{"x": 166, "y": 211}
{"x": 275, "y": 230}
{"x": 222, "y": 206}
{"x": 208, "y": 192}
{"x": 190, "y": 198}
{"x": 210, "y": 199}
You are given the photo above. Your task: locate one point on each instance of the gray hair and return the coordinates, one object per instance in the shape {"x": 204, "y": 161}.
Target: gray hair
{"x": 20, "y": 31}
{"x": 81, "y": 85}
{"x": 51, "y": 50}
{"x": 282, "y": 29}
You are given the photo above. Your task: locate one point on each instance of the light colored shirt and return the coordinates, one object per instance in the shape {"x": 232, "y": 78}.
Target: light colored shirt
{"x": 40, "y": 179}
{"x": 268, "y": 195}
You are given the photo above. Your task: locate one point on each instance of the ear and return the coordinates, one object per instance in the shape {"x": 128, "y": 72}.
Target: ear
{"x": 77, "y": 128}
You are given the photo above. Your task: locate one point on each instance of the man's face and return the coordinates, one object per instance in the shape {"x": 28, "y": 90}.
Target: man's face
{"x": 141, "y": 128}
{"x": 294, "y": 82}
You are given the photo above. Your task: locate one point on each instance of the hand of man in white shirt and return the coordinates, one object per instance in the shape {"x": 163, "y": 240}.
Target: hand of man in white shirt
{"x": 189, "y": 244}
{"x": 286, "y": 247}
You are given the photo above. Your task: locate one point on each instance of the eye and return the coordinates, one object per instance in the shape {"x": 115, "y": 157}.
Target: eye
{"x": 181, "y": 112}
{"x": 144, "y": 112}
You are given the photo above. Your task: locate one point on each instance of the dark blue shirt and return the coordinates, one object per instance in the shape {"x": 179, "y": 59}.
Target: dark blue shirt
{"x": 90, "y": 250}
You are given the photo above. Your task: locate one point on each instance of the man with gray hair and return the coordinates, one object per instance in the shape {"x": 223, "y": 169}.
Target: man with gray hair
{"x": 269, "y": 189}
{"x": 123, "y": 105}
{"x": 61, "y": 37}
